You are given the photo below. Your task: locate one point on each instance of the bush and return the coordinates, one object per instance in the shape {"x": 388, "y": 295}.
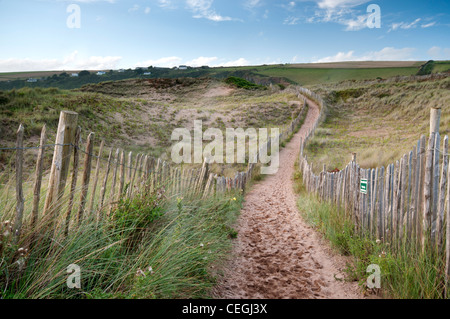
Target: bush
{"x": 426, "y": 68}
{"x": 243, "y": 84}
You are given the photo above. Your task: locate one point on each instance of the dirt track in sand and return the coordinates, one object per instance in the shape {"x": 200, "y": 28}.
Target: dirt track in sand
{"x": 276, "y": 254}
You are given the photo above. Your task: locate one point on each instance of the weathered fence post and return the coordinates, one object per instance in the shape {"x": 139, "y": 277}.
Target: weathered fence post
{"x": 19, "y": 189}
{"x": 113, "y": 185}
{"x": 427, "y": 210}
{"x": 38, "y": 179}
{"x": 65, "y": 137}
{"x": 441, "y": 208}
{"x": 447, "y": 248}
{"x": 97, "y": 172}
{"x": 86, "y": 176}
{"x": 76, "y": 160}
{"x": 121, "y": 175}
{"x": 435, "y": 119}
{"x": 103, "y": 189}
{"x": 421, "y": 184}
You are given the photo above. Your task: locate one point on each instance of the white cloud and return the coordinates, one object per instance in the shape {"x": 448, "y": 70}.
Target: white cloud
{"x": 250, "y": 4}
{"x": 70, "y": 62}
{"x": 202, "y": 9}
{"x": 201, "y": 61}
{"x": 168, "y": 4}
{"x": 147, "y": 10}
{"x": 439, "y": 53}
{"x": 343, "y": 15}
{"x": 333, "y": 4}
{"x": 340, "y": 57}
{"x": 404, "y": 25}
{"x": 355, "y": 24}
{"x": 168, "y": 62}
{"x": 134, "y": 8}
{"x": 289, "y": 6}
{"x": 238, "y": 62}
{"x": 428, "y": 25}
{"x": 386, "y": 54}
{"x": 90, "y": 1}
{"x": 291, "y": 21}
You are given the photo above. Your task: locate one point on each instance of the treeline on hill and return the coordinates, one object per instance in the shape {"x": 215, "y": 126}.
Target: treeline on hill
{"x": 426, "y": 68}
{"x": 68, "y": 82}
{"x": 434, "y": 67}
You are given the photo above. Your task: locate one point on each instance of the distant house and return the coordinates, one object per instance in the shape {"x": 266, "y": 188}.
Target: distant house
{"x": 31, "y": 80}
{"x": 147, "y": 73}
{"x": 182, "y": 67}
{"x": 74, "y": 75}
{"x": 101, "y": 73}
{"x": 121, "y": 70}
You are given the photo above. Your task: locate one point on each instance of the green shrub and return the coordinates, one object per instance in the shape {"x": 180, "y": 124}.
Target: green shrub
{"x": 243, "y": 84}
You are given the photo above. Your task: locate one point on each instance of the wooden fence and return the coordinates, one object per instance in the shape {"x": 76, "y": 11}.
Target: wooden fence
{"x": 405, "y": 204}
{"x": 119, "y": 176}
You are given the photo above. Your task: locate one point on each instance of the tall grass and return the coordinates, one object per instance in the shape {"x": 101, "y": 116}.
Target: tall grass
{"x": 380, "y": 122}
{"x": 152, "y": 246}
{"x": 405, "y": 272}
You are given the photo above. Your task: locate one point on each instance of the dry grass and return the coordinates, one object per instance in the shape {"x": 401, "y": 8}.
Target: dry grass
{"x": 379, "y": 122}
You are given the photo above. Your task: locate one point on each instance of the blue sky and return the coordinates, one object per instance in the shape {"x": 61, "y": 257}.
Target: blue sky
{"x": 35, "y": 34}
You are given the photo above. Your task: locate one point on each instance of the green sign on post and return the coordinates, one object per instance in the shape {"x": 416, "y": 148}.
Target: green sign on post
{"x": 363, "y": 186}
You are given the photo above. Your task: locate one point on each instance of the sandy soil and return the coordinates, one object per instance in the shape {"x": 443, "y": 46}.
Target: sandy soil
{"x": 218, "y": 91}
{"x": 276, "y": 254}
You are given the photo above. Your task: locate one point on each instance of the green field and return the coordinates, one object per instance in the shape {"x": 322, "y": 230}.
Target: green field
{"x": 310, "y": 76}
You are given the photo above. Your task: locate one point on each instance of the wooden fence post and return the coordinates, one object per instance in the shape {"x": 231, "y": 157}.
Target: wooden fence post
{"x": 421, "y": 186}
{"x": 447, "y": 248}
{"x": 103, "y": 189}
{"x": 38, "y": 179}
{"x": 122, "y": 175}
{"x": 403, "y": 198}
{"x": 19, "y": 187}
{"x": 435, "y": 187}
{"x": 113, "y": 185}
{"x": 65, "y": 138}
{"x": 73, "y": 186}
{"x": 441, "y": 208}
{"x": 130, "y": 157}
{"x": 427, "y": 212}
{"x": 97, "y": 172}
{"x": 435, "y": 119}
{"x": 199, "y": 188}
{"x": 86, "y": 176}
{"x": 136, "y": 165}
{"x": 380, "y": 214}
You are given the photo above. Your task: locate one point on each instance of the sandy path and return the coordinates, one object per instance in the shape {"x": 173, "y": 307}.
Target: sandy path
{"x": 276, "y": 254}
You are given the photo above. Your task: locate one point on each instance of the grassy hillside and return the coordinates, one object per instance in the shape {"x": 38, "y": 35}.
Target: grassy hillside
{"x": 304, "y": 74}
{"x": 380, "y": 122}
{"x": 140, "y": 115}
{"x": 311, "y": 76}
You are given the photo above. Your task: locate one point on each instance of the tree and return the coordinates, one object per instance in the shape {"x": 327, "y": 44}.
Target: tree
{"x": 84, "y": 73}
